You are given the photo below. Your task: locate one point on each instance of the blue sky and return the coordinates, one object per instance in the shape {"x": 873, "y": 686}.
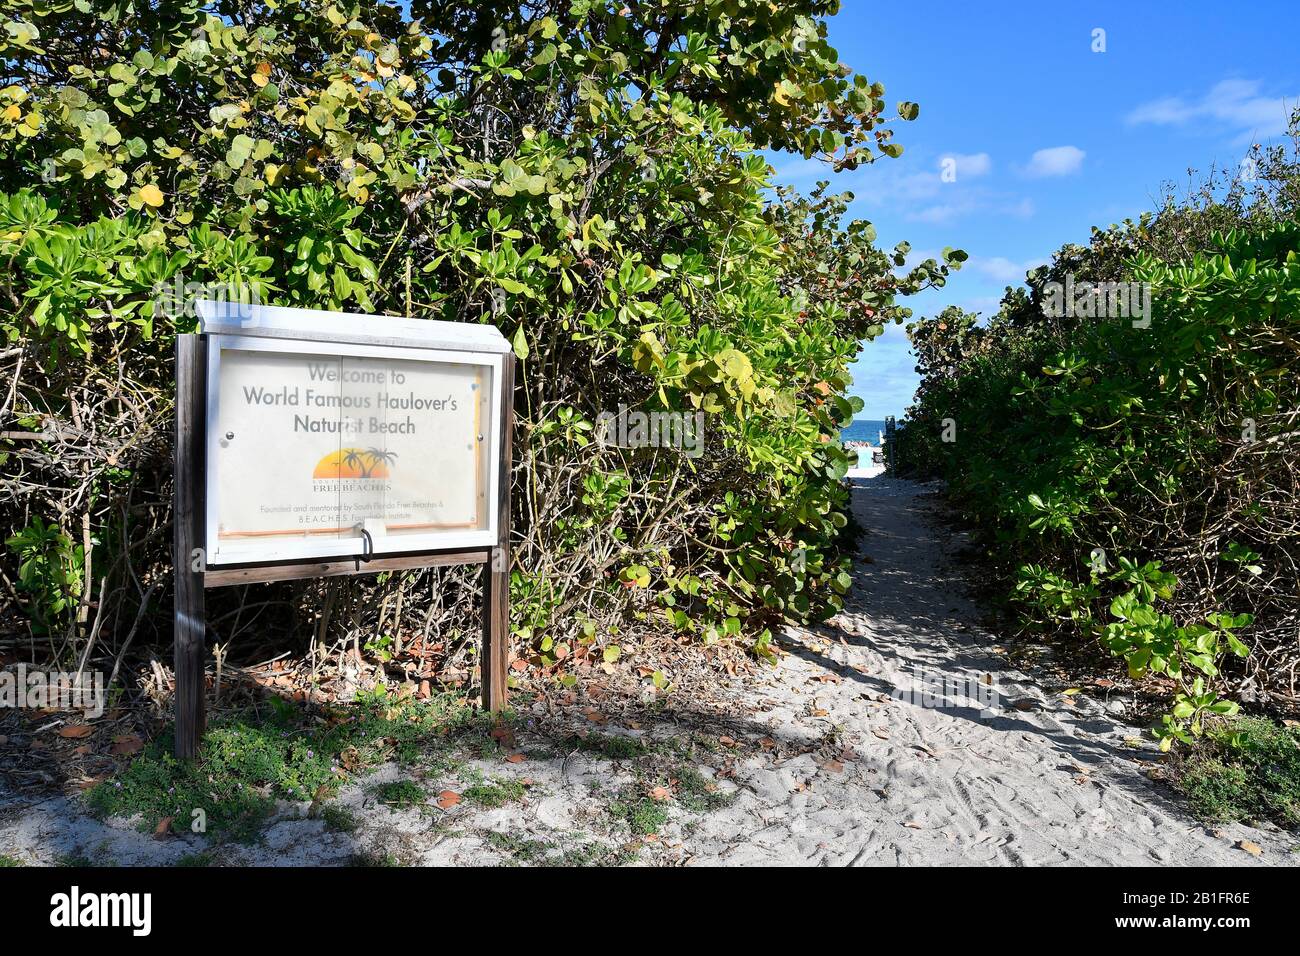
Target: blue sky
{"x": 1048, "y": 138}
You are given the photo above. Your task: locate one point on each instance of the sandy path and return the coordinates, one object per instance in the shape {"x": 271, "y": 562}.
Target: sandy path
{"x": 1037, "y": 781}
{"x": 821, "y": 762}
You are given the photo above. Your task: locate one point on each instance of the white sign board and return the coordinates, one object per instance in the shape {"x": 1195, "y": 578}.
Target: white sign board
{"x": 340, "y": 435}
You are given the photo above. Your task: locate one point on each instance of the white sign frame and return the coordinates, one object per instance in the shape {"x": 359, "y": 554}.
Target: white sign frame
{"x": 290, "y": 322}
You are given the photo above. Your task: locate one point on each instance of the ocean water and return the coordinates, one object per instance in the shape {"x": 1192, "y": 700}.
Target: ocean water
{"x": 862, "y": 429}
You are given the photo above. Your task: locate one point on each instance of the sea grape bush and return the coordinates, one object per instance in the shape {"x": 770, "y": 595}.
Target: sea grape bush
{"x": 1171, "y": 449}
{"x": 1149, "y": 640}
{"x": 49, "y": 570}
{"x": 584, "y": 175}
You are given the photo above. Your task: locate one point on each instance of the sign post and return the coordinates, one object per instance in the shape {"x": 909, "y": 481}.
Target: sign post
{"x": 318, "y": 444}
{"x": 187, "y": 536}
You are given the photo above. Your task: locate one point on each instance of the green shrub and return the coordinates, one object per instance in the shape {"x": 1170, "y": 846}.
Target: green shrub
{"x": 1248, "y": 770}
{"x": 1133, "y": 480}
{"x": 586, "y": 176}
{"x": 49, "y": 570}
{"x": 400, "y": 794}
{"x": 249, "y": 762}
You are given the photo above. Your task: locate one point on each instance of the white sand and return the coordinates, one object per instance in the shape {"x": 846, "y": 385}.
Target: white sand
{"x": 1047, "y": 784}
{"x": 828, "y": 768}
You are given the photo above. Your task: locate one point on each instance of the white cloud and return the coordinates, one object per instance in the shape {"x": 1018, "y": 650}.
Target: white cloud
{"x": 1023, "y": 209}
{"x": 916, "y": 256}
{"x": 885, "y": 376}
{"x": 943, "y": 212}
{"x": 1002, "y": 269}
{"x": 801, "y": 171}
{"x": 918, "y": 194}
{"x": 981, "y": 201}
{"x": 985, "y": 305}
{"x": 967, "y": 165}
{"x": 1055, "y": 161}
{"x": 893, "y": 332}
{"x": 887, "y": 180}
{"x": 1163, "y": 112}
{"x": 1234, "y": 104}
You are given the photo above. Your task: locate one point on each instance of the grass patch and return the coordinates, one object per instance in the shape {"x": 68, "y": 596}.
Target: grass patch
{"x": 9, "y": 861}
{"x": 521, "y": 849}
{"x": 1247, "y": 770}
{"x": 495, "y": 793}
{"x": 697, "y": 793}
{"x": 526, "y": 852}
{"x": 201, "y": 859}
{"x": 642, "y": 814}
{"x": 690, "y": 790}
{"x": 609, "y": 746}
{"x": 340, "y": 818}
{"x": 370, "y": 858}
{"x": 400, "y": 794}
{"x": 251, "y": 760}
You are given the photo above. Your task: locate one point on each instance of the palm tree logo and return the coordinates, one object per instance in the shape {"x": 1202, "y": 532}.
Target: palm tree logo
{"x": 353, "y": 459}
{"x": 355, "y": 464}
{"x": 376, "y": 457}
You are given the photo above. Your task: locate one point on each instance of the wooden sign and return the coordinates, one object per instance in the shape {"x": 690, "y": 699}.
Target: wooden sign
{"x": 319, "y": 444}
{"x": 320, "y": 449}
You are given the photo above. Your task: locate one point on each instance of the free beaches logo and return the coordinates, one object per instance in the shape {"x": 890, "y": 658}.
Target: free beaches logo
{"x": 355, "y": 463}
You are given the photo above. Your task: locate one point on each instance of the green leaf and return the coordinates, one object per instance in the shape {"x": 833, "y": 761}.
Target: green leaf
{"x": 520, "y": 344}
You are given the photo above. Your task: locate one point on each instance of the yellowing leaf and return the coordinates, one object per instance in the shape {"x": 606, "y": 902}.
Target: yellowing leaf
{"x": 151, "y": 195}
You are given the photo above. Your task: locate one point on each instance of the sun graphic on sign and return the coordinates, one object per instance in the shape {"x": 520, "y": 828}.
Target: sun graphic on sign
{"x": 355, "y": 463}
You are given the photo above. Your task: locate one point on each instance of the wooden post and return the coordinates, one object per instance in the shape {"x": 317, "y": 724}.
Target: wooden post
{"x": 494, "y": 660}
{"x": 189, "y": 621}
